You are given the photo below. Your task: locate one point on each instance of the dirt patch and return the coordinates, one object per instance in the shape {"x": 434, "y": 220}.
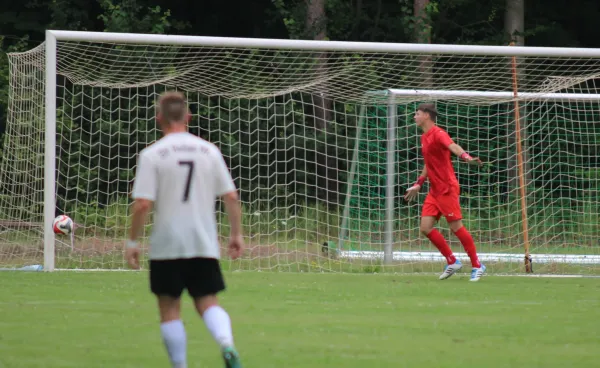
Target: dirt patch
{"x": 257, "y": 251}
{"x": 100, "y": 252}
{"x": 101, "y": 246}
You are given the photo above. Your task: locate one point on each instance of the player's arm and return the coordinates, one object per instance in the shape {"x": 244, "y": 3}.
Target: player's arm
{"x": 229, "y": 195}
{"x": 444, "y": 139}
{"x": 462, "y": 154}
{"x": 139, "y": 212}
{"x": 411, "y": 193}
{"x": 234, "y": 213}
{"x": 144, "y": 193}
{"x": 423, "y": 174}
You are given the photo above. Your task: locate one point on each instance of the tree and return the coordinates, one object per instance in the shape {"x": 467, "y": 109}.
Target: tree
{"x": 129, "y": 16}
{"x": 422, "y": 34}
{"x": 422, "y": 21}
{"x": 514, "y": 21}
{"x": 316, "y": 28}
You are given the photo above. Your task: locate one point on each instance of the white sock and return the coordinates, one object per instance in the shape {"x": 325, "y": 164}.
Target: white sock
{"x": 218, "y": 323}
{"x": 173, "y": 334}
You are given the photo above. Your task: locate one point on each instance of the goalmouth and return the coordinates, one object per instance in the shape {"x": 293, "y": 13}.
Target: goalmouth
{"x": 319, "y": 158}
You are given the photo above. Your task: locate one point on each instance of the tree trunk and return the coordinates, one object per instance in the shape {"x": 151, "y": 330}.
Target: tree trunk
{"x": 316, "y": 28}
{"x": 422, "y": 34}
{"x": 377, "y": 19}
{"x": 514, "y": 21}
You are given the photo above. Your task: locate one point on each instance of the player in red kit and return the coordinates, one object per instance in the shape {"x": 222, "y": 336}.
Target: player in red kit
{"x": 442, "y": 199}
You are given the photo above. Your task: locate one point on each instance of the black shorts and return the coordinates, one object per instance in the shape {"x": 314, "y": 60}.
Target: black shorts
{"x": 200, "y": 276}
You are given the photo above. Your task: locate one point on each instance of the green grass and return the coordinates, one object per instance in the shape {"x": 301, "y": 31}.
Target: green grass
{"x": 109, "y": 319}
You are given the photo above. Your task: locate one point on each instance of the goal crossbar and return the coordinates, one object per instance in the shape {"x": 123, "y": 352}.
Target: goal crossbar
{"x": 405, "y": 48}
{"x": 492, "y": 96}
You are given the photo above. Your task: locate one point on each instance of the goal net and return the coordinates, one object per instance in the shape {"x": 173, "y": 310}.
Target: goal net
{"x": 320, "y": 140}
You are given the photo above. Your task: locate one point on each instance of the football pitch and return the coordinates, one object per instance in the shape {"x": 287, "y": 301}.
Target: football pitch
{"x": 109, "y": 319}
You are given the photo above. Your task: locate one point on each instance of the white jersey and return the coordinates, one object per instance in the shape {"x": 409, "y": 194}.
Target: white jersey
{"x": 183, "y": 175}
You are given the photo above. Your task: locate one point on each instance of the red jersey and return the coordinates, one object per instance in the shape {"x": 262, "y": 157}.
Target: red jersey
{"x": 440, "y": 172}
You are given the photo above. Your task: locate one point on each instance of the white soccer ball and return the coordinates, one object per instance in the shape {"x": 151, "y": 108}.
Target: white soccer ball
{"x": 62, "y": 225}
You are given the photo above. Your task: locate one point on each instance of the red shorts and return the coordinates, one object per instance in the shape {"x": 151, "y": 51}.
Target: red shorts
{"x": 446, "y": 204}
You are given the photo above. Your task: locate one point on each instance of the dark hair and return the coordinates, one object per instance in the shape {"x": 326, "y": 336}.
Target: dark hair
{"x": 428, "y": 108}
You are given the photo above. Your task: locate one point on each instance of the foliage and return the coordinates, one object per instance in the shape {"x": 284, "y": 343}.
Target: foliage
{"x": 292, "y": 14}
{"x": 286, "y": 140}
{"x": 15, "y": 46}
{"x": 129, "y": 16}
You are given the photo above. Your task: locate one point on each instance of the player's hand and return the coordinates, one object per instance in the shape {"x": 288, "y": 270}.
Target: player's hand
{"x": 133, "y": 257}
{"x": 236, "y": 246}
{"x": 475, "y": 161}
{"x": 412, "y": 192}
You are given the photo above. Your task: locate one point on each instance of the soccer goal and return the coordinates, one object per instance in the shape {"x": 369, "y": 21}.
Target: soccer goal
{"x": 320, "y": 140}
{"x": 488, "y": 122}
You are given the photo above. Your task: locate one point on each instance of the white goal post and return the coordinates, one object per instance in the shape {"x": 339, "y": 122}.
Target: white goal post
{"x": 319, "y": 139}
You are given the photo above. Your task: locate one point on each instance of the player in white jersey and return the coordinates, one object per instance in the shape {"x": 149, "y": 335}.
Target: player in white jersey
{"x": 181, "y": 176}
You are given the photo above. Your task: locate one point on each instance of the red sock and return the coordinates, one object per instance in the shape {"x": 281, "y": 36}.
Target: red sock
{"x": 467, "y": 241}
{"x": 440, "y": 243}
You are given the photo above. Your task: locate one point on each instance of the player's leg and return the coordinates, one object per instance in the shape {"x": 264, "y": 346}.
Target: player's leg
{"x": 217, "y": 321}
{"x": 167, "y": 284}
{"x": 450, "y": 207}
{"x": 469, "y": 245}
{"x": 466, "y": 240}
{"x": 172, "y": 330}
{"x": 429, "y": 217}
{"x": 204, "y": 281}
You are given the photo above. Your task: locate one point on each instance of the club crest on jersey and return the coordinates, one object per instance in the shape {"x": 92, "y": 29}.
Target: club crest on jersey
{"x": 163, "y": 153}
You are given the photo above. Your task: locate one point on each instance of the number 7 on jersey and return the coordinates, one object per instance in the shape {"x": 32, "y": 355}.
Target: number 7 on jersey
{"x": 188, "y": 182}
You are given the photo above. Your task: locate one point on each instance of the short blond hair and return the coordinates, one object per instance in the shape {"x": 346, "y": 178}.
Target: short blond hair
{"x": 172, "y": 107}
